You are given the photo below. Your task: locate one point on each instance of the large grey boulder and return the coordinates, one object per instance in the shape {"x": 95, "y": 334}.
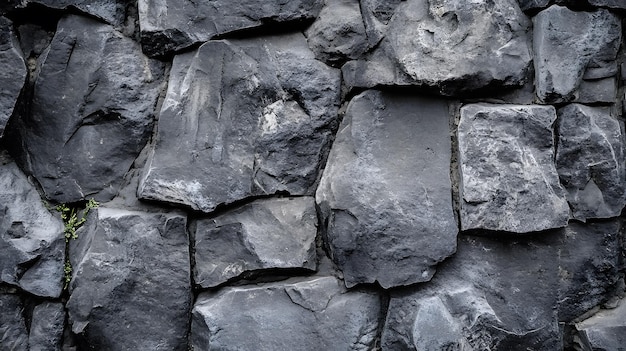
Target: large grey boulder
{"x": 92, "y": 111}
{"x": 604, "y": 331}
{"x": 590, "y": 161}
{"x": 385, "y": 194}
{"x": 265, "y": 234}
{"x": 130, "y": 287}
{"x": 242, "y": 118}
{"x": 12, "y": 71}
{"x": 314, "y": 314}
{"x": 46, "y": 327}
{"x": 568, "y": 43}
{"x": 13, "y": 332}
{"x": 491, "y": 295}
{"x": 508, "y": 177}
{"x": 451, "y": 46}
{"x": 168, "y": 26}
{"x": 31, "y": 238}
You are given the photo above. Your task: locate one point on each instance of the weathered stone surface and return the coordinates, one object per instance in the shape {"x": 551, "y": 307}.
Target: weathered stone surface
{"x": 12, "y": 71}
{"x": 566, "y": 43}
{"x": 604, "y": 331}
{"x": 590, "y": 161}
{"x": 31, "y": 238}
{"x": 508, "y": 177}
{"x": 131, "y": 273}
{"x": 316, "y": 314}
{"x": 386, "y": 193}
{"x": 13, "y": 332}
{"x": 265, "y": 234}
{"x": 589, "y": 265}
{"x": 452, "y": 46}
{"x": 91, "y": 114}
{"x": 111, "y": 11}
{"x": 242, "y": 118}
{"x": 526, "y": 5}
{"x": 597, "y": 91}
{"x": 46, "y": 328}
{"x": 491, "y": 295}
{"x": 612, "y": 4}
{"x": 171, "y": 25}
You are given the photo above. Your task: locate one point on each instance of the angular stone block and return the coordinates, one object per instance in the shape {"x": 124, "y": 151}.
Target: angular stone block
{"x": 590, "y": 161}
{"x": 12, "y": 71}
{"x": 172, "y": 25}
{"x": 46, "y": 328}
{"x": 566, "y": 43}
{"x": 110, "y": 11}
{"x": 606, "y": 330}
{"x": 265, "y": 234}
{"x": 315, "y": 314}
{"x": 508, "y": 177}
{"x": 92, "y": 111}
{"x": 131, "y": 274}
{"x": 13, "y": 332}
{"x": 242, "y": 118}
{"x": 386, "y": 193}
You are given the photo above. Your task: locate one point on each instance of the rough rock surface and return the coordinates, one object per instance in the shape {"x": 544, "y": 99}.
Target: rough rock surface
{"x": 566, "y": 43}
{"x": 265, "y": 234}
{"x": 508, "y": 177}
{"x": 92, "y": 111}
{"x": 612, "y": 4}
{"x": 13, "y": 332}
{"x": 46, "y": 328}
{"x": 111, "y": 11}
{"x": 590, "y": 161}
{"x": 453, "y": 46}
{"x": 168, "y": 26}
{"x": 242, "y": 118}
{"x": 315, "y": 314}
{"x": 31, "y": 238}
{"x": 491, "y": 295}
{"x": 386, "y": 191}
{"x": 12, "y": 71}
{"x": 131, "y": 272}
{"x": 604, "y": 331}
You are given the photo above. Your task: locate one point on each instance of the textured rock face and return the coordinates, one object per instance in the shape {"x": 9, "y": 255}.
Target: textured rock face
{"x": 266, "y": 234}
{"x": 317, "y": 314}
{"x": 508, "y": 177}
{"x": 386, "y": 193}
{"x": 46, "y": 329}
{"x": 110, "y": 11}
{"x": 242, "y": 118}
{"x": 492, "y": 295}
{"x": 12, "y": 71}
{"x": 13, "y": 332}
{"x": 171, "y": 25}
{"x": 31, "y": 238}
{"x": 131, "y": 272}
{"x": 604, "y": 331}
{"x": 567, "y": 44}
{"x": 590, "y": 161}
{"x": 453, "y": 46}
{"x": 91, "y": 113}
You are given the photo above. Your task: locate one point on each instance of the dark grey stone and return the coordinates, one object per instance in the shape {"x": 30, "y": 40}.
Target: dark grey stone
{"x": 13, "y": 332}
{"x": 590, "y": 161}
{"x": 315, "y": 314}
{"x": 12, "y": 71}
{"x": 265, "y": 234}
{"x": 491, "y": 295}
{"x": 131, "y": 274}
{"x": 604, "y": 331}
{"x": 451, "y": 46}
{"x": 386, "y": 192}
{"x": 611, "y": 4}
{"x": 31, "y": 238}
{"x": 92, "y": 111}
{"x": 110, "y": 11}
{"x": 526, "y": 5}
{"x": 168, "y": 26}
{"x": 565, "y": 43}
{"x": 508, "y": 177}
{"x": 46, "y": 328}
{"x": 242, "y": 118}
{"x": 597, "y": 91}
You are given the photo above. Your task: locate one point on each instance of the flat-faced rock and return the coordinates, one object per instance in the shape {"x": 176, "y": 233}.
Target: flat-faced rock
{"x": 46, "y": 327}
{"x": 606, "y": 330}
{"x": 13, "y": 332}
{"x": 12, "y": 71}
{"x": 130, "y": 287}
{"x": 91, "y": 114}
{"x": 386, "y": 193}
{"x": 265, "y": 234}
{"x": 315, "y": 314}
{"x": 590, "y": 161}
{"x": 242, "y": 118}
{"x": 508, "y": 177}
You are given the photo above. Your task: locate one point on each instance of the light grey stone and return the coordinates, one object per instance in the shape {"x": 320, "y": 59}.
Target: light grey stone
{"x": 385, "y": 194}
{"x": 12, "y": 71}
{"x": 265, "y": 234}
{"x": 604, "y": 331}
{"x": 46, "y": 328}
{"x": 315, "y": 314}
{"x": 611, "y": 4}
{"x": 131, "y": 274}
{"x": 508, "y": 177}
{"x": 13, "y": 332}
{"x": 590, "y": 161}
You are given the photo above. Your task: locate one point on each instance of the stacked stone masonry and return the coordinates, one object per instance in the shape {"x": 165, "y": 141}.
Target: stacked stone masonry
{"x": 312, "y": 175}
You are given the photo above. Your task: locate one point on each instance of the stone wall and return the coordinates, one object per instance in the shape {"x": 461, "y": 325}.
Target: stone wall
{"x": 312, "y": 175}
